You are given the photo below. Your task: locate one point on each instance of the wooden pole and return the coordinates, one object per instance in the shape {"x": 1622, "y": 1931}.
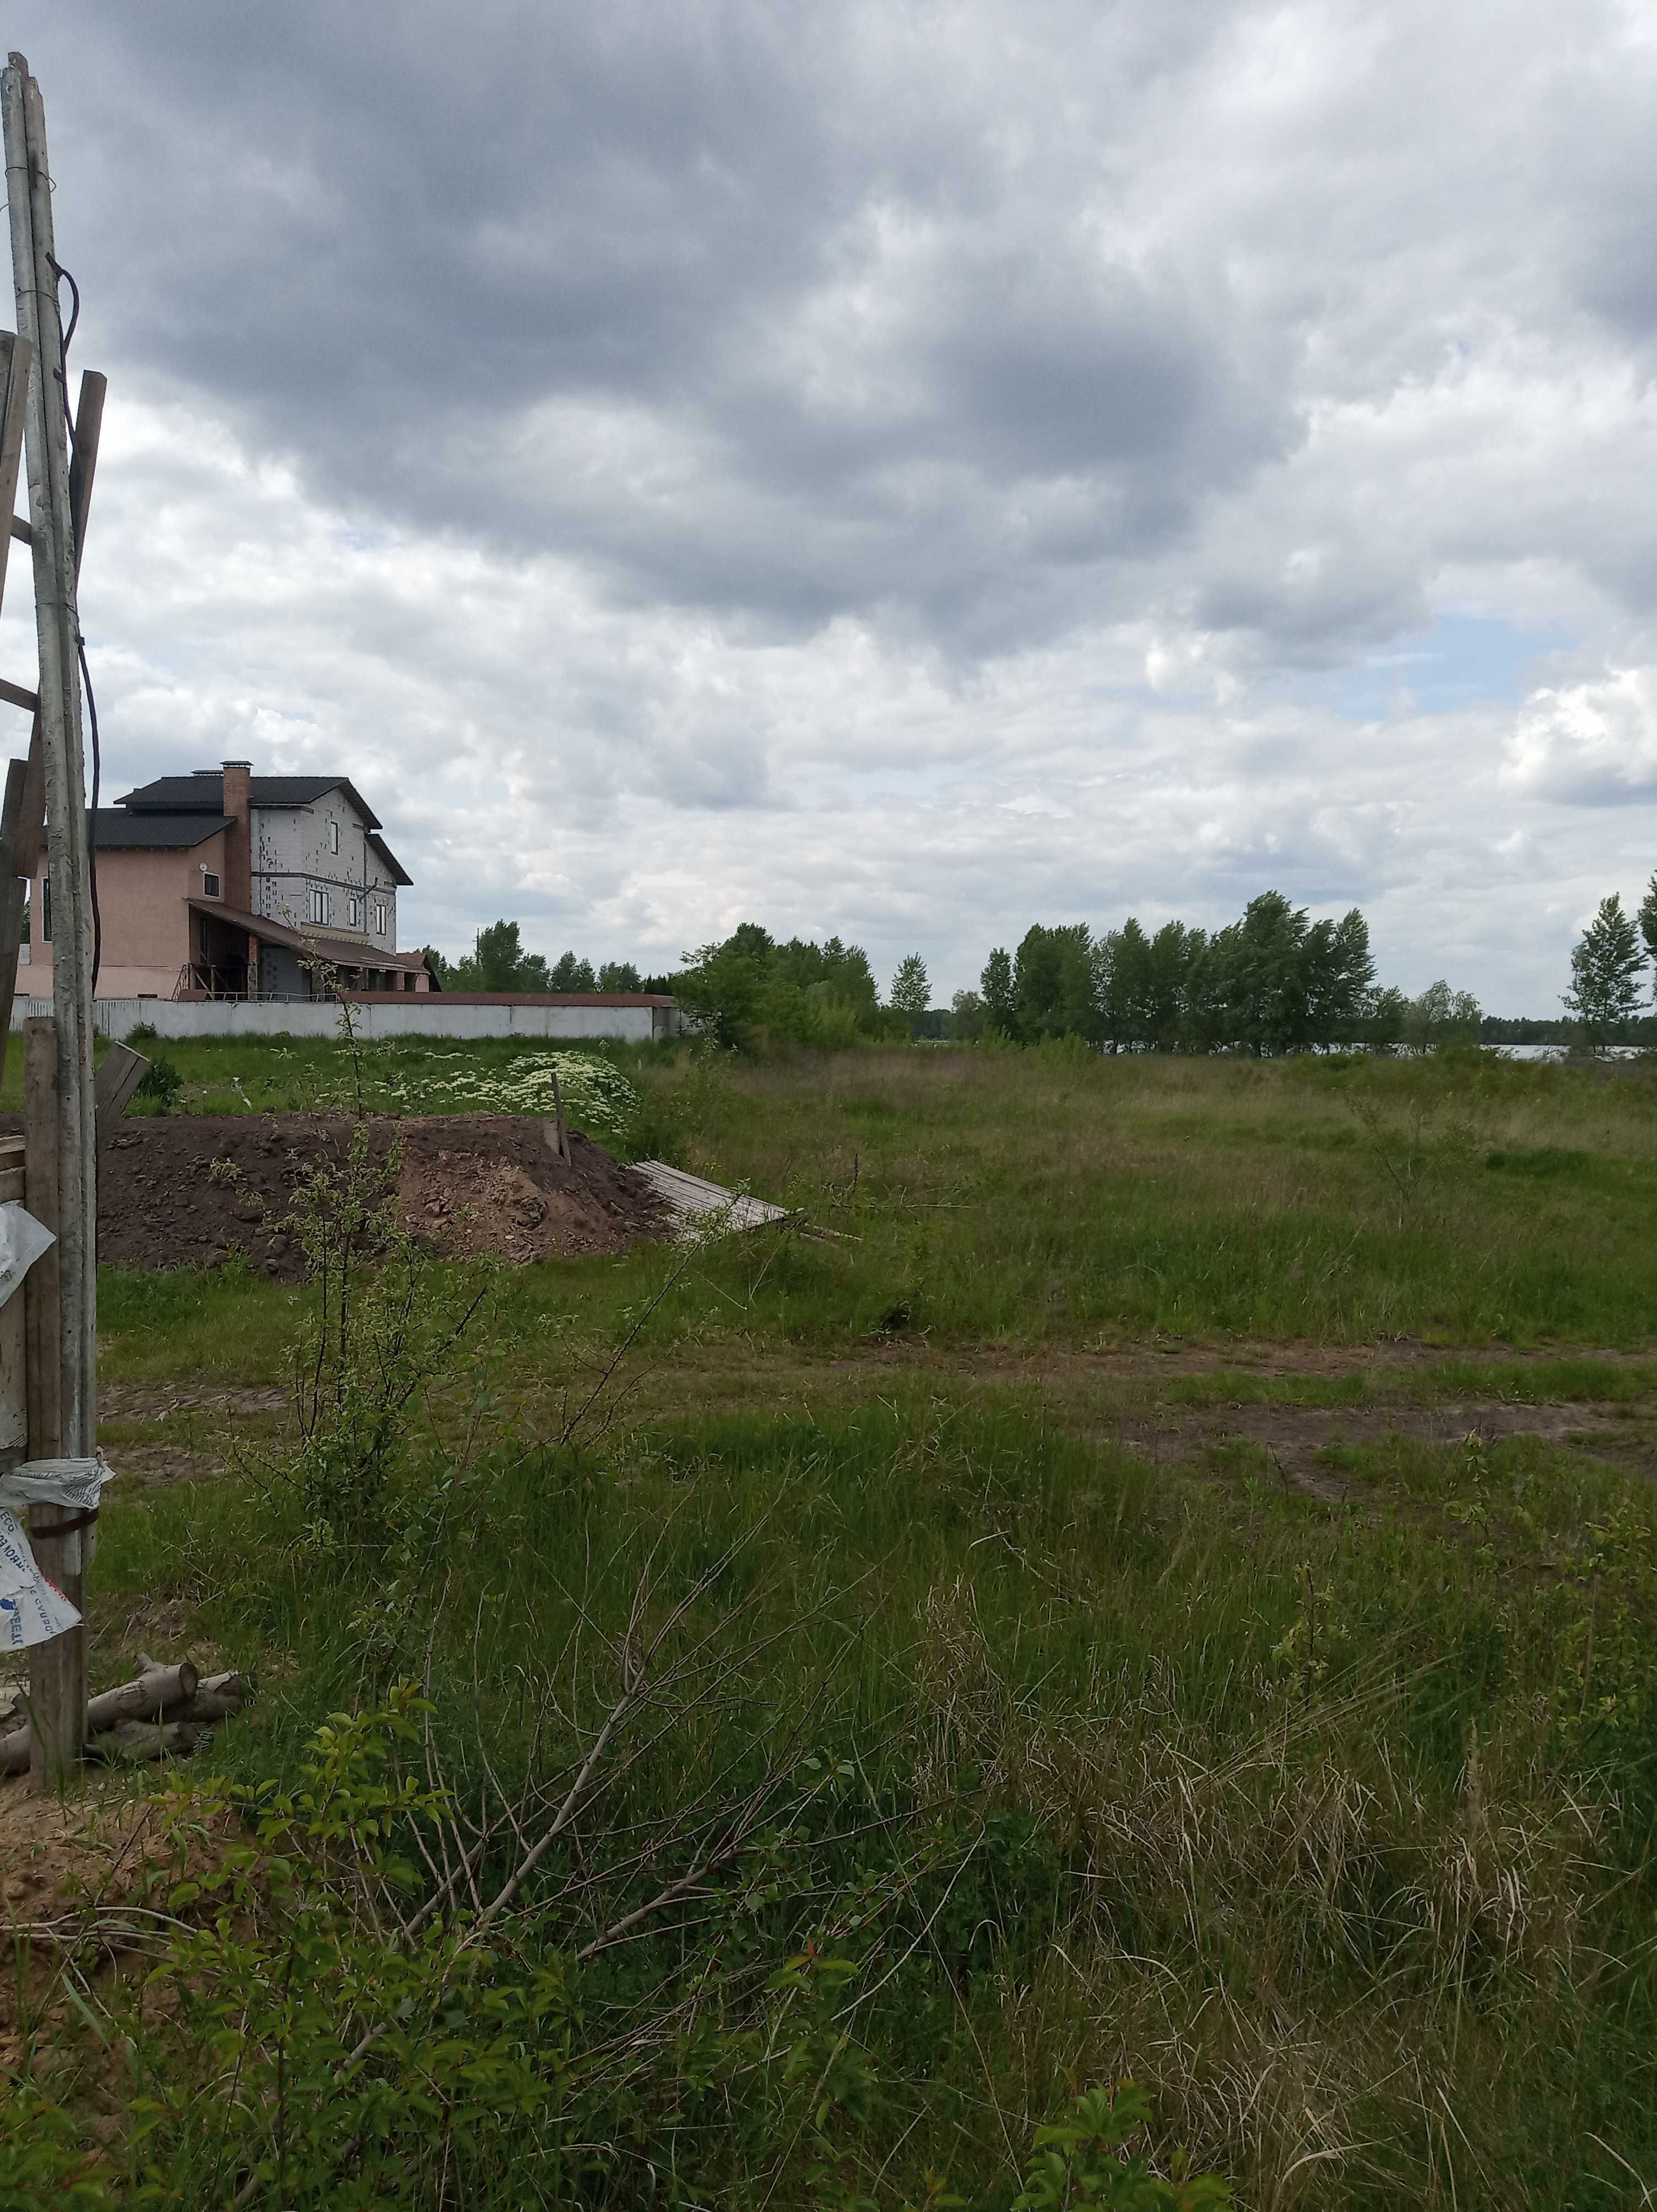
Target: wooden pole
{"x": 28, "y": 191}
{"x": 83, "y": 462}
{"x": 23, "y": 823}
{"x": 557, "y": 1111}
{"x": 57, "y": 1700}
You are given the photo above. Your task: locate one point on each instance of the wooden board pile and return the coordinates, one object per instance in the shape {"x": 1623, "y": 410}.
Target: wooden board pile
{"x": 166, "y": 1711}
{"x": 702, "y": 1209}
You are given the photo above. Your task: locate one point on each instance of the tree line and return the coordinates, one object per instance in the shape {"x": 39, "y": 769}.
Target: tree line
{"x": 499, "y": 961}
{"x": 1272, "y": 981}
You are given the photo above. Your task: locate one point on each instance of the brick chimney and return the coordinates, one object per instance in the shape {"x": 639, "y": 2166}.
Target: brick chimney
{"x": 238, "y": 838}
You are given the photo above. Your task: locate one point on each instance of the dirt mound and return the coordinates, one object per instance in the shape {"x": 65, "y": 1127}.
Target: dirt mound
{"x": 191, "y": 1189}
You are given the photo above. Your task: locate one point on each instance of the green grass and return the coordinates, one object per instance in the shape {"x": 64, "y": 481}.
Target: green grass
{"x": 293, "y": 1074}
{"x": 1031, "y": 1202}
{"x": 1325, "y": 1810}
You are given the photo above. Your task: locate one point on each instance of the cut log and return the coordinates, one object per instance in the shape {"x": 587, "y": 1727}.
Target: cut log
{"x": 162, "y": 1699}
{"x": 133, "y": 1740}
{"x": 218, "y": 1698}
{"x": 157, "y": 1690}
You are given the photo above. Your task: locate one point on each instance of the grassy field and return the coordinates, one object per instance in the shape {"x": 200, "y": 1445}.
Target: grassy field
{"x": 1150, "y": 1576}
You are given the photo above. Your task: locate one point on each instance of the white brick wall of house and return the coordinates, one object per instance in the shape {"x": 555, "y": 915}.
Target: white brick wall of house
{"x": 315, "y": 868}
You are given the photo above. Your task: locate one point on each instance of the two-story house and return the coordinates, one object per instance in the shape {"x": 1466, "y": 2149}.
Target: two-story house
{"x": 228, "y": 884}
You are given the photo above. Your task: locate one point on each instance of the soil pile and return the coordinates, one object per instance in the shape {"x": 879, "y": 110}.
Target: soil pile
{"x": 191, "y": 1189}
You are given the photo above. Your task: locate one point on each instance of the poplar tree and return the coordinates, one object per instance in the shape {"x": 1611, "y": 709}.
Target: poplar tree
{"x": 996, "y": 984}
{"x": 1606, "y": 970}
{"x": 911, "y": 993}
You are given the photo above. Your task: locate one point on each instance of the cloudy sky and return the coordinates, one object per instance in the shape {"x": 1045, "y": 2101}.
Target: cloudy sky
{"x": 903, "y": 470}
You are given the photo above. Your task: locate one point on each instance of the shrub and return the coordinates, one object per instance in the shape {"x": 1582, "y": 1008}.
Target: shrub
{"x": 160, "y": 1087}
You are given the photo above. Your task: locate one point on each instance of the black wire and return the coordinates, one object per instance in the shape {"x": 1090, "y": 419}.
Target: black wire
{"x": 63, "y": 276}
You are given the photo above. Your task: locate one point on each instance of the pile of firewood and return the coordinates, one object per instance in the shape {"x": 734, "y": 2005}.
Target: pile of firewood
{"x": 163, "y": 1713}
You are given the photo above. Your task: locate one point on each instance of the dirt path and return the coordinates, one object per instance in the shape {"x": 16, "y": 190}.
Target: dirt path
{"x": 1169, "y": 1402}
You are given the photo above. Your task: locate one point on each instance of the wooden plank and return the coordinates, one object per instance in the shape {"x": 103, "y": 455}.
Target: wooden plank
{"x": 32, "y": 815}
{"x": 13, "y": 416}
{"x": 563, "y": 1133}
{"x": 57, "y": 1701}
{"x": 14, "y": 1366}
{"x": 45, "y": 447}
{"x": 13, "y": 861}
{"x": 13, "y": 894}
{"x": 704, "y": 1208}
{"x": 21, "y": 827}
{"x": 14, "y": 696}
{"x": 123, "y": 1071}
{"x": 83, "y": 462}
{"x": 21, "y": 532}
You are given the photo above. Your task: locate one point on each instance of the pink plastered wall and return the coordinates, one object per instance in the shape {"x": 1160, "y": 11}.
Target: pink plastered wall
{"x": 143, "y": 896}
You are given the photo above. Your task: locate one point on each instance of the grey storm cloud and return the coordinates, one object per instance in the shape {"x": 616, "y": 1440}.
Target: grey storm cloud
{"x": 904, "y": 468}
{"x": 661, "y": 281}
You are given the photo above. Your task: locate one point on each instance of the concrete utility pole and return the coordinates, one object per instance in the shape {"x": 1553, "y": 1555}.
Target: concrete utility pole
{"x": 58, "y": 1683}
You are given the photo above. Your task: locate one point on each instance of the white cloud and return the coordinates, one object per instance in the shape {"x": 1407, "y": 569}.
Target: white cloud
{"x": 906, "y": 471}
{"x": 1589, "y": 744}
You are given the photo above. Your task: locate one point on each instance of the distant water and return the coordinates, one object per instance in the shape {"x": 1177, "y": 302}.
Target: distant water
{"x": 1561, "y": 1052}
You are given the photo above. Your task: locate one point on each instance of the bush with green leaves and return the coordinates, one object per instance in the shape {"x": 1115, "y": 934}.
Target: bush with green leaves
{"x": 1084, "y": 2162}
{"x": 158, "y": 1087}
{"x": 383, "y": 1325}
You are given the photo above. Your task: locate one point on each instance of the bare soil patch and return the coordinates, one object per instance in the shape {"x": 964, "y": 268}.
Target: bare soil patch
{"x": 1295, "y": 1439}
{"x": 193, "y": 1189}
{"x": 80, "y": 1879}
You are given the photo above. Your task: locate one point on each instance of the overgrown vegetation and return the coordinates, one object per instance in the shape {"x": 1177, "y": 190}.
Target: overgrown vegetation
{"x": 901, "y": 1705}
{"x": 405, "y": 1075}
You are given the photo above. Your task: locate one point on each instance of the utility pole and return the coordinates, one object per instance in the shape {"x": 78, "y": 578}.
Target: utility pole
{"x": 55, "y": 493}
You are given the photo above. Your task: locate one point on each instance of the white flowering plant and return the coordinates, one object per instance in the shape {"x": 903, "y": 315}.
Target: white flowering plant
{"x": 597, "y": 1096}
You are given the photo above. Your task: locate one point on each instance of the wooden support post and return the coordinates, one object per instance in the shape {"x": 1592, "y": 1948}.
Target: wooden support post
{"x": 57, "y": 1700}
{"x": 19, "y": 843}
{"x": 83, "y": 462}
{"x": 51, "y": 517}
{"x": 19, "y": 365}
{"x": 557, "y": 1120}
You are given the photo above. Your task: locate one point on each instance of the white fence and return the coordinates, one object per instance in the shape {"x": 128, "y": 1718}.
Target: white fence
{"x": 426, "y": 1014}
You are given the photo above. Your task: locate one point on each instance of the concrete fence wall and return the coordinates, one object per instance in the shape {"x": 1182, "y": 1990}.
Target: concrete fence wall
{"x": 425, "y": 1015}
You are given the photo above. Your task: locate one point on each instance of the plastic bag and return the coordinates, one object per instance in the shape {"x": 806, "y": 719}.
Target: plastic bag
{"x": 22, "y": 1239}
{"x": 32, "y": 1609}
{"x": 75, "y": 1483}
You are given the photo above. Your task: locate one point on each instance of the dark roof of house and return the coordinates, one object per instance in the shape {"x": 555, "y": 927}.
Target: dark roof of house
{"x": 337, "y": 951}
{"x": 204, "y": 794}
{"x": 115, "y": 831}
{"x": 399, "y": 874}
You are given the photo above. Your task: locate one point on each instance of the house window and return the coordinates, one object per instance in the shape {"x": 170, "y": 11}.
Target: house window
{"x": 380, "y": 917}
{"x": 46, "y": 910}
{"x": 209, "y": 883}
{"x": 318, "y": 902}
{"x": 334, "y": 836}
{"x": 353, "y": 911}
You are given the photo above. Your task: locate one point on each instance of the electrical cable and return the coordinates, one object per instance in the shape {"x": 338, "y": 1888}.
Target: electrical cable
{"x": 63, "y": 276}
